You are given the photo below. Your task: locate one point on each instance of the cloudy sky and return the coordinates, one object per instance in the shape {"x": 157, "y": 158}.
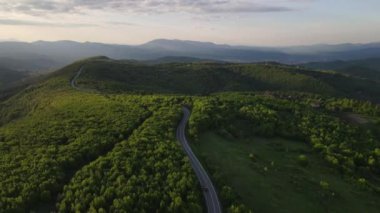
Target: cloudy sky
{"x": 243, "y": 22}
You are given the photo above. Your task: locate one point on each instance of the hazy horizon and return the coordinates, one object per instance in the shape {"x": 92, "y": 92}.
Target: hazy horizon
{"x": 174, "y": 39}
{"x": 243, "y": 22}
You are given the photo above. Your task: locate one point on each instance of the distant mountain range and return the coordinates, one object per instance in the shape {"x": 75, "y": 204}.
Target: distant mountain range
{"x": 42, "y": 55}
{"x": 11, "y": 78}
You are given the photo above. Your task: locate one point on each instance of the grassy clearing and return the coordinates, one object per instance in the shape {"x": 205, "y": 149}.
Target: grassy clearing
{"x": 267, "y": 174}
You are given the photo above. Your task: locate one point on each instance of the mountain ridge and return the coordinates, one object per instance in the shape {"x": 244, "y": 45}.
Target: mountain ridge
{"x": 59, "y": 53}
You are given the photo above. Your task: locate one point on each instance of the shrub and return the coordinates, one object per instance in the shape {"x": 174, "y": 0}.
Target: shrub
{"x": 324, "y": 185}
{"x": 362, "y": 181}
{"x": 252, "y": 157}
{"x": 303, "y": 160}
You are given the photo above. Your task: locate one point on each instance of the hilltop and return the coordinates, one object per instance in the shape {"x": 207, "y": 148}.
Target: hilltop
{"x": 205, "y": 77}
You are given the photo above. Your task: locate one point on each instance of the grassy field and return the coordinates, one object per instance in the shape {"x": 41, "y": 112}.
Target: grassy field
{"x": 268, "y": 176}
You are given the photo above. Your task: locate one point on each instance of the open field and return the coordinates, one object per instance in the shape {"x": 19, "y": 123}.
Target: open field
{"x": 274, "y": 179}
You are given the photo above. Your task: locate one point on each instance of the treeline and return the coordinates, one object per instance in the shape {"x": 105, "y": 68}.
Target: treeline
{"x": 284, "y": 78}
{"x": 332, "y": 104}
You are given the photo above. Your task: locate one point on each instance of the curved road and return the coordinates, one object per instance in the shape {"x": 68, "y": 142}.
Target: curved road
{"x": 209, "y": 193}
{"x": 74, "y": 79}
{"x": 211, "y": 197}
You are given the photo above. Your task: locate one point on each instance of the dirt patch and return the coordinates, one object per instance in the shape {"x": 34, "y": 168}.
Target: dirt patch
{"x": 356, "y": 118}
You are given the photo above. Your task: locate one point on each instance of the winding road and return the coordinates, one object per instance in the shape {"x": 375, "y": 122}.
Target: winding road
{"x": 74, "y": 79}
{"x": 208, "y": 189}
{"x": 211, "y": 197}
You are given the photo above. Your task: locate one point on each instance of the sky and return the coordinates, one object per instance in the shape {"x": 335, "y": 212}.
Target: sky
{"x": 236, "y": 22}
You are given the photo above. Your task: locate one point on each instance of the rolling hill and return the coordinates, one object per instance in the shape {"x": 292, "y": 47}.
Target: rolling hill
{"x": 366, "y": 68}
{"x": 271, "y": 137}
{"x": 206, "y": 78}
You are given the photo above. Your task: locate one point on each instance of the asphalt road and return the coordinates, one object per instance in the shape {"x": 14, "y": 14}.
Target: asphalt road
{"x": 74, "y": 79}
{"x": 208, "y": 189}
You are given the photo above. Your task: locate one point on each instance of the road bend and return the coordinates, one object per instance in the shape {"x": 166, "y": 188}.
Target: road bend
{"x": 75, "y": 78}
{"x": 208, "y": 189}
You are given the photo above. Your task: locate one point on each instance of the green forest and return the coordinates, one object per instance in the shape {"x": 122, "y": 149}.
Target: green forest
{"x": 110, "y": 146}
{"x": 205, "y": 78}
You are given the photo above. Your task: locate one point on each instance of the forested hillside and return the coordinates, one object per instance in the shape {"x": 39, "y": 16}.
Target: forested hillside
{"x": 366, "y": 68}
{"x": 47, "y": 146}
{"x": 205, "y": 78}
{"x": 263, "y": 131}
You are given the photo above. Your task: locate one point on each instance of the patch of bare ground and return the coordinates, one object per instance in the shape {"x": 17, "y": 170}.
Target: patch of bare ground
{"x": 355, "y": 118}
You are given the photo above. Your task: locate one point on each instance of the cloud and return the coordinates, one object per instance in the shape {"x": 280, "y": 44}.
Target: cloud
{"x": 121, "y": 23}
{"x": 35, "y": 7}
{"x": 15, "y": 22}
{"x": 40, "y": 7}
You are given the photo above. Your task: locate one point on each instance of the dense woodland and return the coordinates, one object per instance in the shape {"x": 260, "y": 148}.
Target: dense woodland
{"x": 40, "y": 152}
{"x": 148, "y": 172}
{"x": 111, "y": 147}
